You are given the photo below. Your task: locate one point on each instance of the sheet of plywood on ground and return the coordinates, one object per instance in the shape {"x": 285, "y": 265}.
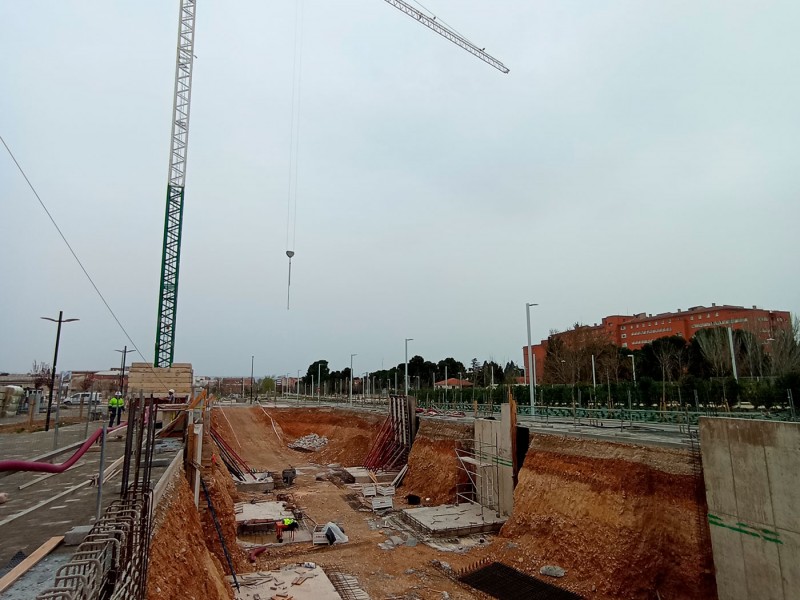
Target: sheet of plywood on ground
{"x": 38, "y": 554}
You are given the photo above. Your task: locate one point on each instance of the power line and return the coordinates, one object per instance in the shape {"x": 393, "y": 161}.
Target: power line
{"x": 74, "y": 255}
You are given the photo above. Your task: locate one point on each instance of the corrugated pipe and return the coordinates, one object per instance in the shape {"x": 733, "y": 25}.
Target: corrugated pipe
{"x": 43, "y": 467}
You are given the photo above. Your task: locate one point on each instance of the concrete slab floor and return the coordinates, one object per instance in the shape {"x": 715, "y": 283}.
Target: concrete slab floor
{"x": 265, "y": 584}
{"x": 454, "y": 519}
{"x": 261, "y": 511}
{"x": 39, "y": 577}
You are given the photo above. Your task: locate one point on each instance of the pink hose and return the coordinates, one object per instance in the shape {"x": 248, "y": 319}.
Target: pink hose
{"x": 43, "y": 467}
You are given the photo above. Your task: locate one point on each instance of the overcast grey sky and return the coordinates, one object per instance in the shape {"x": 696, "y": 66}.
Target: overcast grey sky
{"x": 640, "y": 156}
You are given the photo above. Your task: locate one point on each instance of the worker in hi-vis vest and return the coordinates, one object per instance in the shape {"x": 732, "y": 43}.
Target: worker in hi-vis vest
{"x": 116, "y": 404}
{"x": 282, "y": 525}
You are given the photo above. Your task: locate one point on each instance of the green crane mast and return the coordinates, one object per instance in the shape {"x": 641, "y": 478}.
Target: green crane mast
{"x": 173, "y": 222}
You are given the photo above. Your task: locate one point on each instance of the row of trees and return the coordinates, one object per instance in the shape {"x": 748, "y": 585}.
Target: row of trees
{"x": 672, "y": 359}
{"x": 582, "y": 356}
{"x": 422, "y": 373}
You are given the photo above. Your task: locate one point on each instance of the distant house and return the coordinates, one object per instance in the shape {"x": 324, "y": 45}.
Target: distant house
{"x": 452, "y": 382}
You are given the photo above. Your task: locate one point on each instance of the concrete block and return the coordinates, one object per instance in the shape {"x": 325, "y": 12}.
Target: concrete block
{"x": 76, "y": 535}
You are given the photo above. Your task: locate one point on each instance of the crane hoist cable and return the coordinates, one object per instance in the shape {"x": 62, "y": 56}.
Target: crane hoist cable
{"x": 294, "y": 143}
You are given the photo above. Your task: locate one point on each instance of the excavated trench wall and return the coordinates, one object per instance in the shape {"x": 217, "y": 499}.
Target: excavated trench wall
{"x": 625, "y": 521}
{"x": 181, "y": 566}
{"x": 433, "y": 470}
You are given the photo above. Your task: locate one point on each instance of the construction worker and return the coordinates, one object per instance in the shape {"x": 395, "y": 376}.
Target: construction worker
{"x": 116, "y": 404}
{"x": 285, "y": 525}
{"x": 171, "y": 398}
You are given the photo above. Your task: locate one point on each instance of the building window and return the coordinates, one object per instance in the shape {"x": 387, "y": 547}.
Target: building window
{"x": 624, "y": 336}
{"x": 624, "y": 344}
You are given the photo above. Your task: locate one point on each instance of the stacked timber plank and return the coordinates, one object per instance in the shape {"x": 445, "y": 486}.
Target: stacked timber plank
{"x": 159, "y": 380}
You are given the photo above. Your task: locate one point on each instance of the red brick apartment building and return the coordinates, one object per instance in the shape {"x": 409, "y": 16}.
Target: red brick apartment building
{"x": 634, "y": 331}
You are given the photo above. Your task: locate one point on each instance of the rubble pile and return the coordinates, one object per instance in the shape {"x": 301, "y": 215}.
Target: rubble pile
{"x": 309, "y": 443}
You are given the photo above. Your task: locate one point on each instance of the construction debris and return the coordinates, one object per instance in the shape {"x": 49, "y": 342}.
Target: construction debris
{"x": 552, "y": 571}
{"x": 309, "y": 443}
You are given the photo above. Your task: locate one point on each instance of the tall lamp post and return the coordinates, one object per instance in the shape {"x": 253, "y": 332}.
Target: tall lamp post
{"x": 405, "y": 374}
{"x": 350, "y": 396}
{"x": 60, "y": 320}
{"x": 122, "y": 389}
{"x": 531, "y": 384}
{"x": 252, "y": 363}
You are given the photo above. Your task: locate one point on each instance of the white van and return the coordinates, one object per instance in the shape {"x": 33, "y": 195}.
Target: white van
{"x": 86, "y": 397}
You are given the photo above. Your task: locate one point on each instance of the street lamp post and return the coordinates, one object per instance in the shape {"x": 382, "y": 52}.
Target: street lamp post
{"x": 60, "y": 320}
{"x": 351, "y": 378}
{"x": 405, "y": 374}
{"x": 531, "y": 384}
{"x": 252, "y": 363}
{"x": 122, "y": 389}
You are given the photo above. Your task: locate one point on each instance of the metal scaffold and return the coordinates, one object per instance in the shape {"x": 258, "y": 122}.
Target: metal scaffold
{"x": 480, "y": 467}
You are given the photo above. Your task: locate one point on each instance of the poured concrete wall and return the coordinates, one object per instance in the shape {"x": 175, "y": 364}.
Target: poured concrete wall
{"x": 493, "y": 444}
{"x": 752, "y": 478}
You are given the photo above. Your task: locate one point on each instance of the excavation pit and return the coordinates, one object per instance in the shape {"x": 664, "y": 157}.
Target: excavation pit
{"x": 450, "y": 520}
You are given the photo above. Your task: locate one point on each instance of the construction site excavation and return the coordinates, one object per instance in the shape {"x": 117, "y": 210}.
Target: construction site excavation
{"x": 629, "y": 157}
{"x": 323, "y": 498}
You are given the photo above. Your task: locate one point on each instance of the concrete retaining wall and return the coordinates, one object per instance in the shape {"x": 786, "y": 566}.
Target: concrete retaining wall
{"x": 752, "y": 478}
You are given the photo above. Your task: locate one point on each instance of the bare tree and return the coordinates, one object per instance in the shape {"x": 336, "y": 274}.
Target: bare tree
{"x": 713, "y": 344}
{"x": 785, "y": 349}
{"x": 42, "y": 374}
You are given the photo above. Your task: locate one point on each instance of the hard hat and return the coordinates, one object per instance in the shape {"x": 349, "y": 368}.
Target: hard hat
{"x": 119, "y": 393}
{"x": 172, "y": 391}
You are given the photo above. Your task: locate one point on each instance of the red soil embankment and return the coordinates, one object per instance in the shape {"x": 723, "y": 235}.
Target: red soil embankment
{"x": 261, "y": 435}
{"x": 622, "y": 519}
{"x": 181, "y": 567}
{"x": 433, "y": 470}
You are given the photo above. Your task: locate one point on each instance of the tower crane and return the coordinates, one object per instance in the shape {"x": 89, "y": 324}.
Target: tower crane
{"x": 447, "y": 33}
{"x": 173, "y": 221}
{"x": 179, "y": 140}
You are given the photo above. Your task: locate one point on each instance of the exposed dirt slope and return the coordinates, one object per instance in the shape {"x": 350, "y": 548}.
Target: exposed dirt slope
{"x": 222, "y": 491}
{"x": 623, "y": 520}
{"x": 432, "y": 465}
{"x": 260, "y": 436}
{"x": 181, "y": 567}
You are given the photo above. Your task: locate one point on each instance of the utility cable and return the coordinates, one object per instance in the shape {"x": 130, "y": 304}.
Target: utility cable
{"x": 78, "y": 260}
{"x": 294, "y": 143}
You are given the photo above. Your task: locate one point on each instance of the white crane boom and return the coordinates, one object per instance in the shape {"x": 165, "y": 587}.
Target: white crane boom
{"x": 448, "y": 33}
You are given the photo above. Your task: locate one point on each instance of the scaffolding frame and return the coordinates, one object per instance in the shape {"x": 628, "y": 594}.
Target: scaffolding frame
{"x": 480, "y": 465}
